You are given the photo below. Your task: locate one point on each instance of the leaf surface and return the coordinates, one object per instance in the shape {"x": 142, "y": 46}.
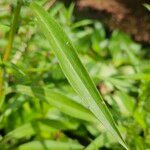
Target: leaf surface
{"x": 55, "y": 98}
{"x": 49, "y": 144}
{"x": 74, "y": 71}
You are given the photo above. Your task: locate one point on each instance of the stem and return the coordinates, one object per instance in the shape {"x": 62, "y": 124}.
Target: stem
{"x": 49, "y": 4}
{"x": 8, "y": 50}
{"x": 2, "y": 95}
{"x": 12, "y": 32}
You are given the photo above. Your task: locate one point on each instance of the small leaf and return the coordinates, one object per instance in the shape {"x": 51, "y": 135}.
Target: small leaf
{"x": 4, "y": 28}
{"x": 81, "y": 23}
{"x": 125, "y": 103}
{"x": 100, "y": 141}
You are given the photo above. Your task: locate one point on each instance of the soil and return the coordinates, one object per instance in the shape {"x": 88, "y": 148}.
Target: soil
{"x": 129, "y": 16}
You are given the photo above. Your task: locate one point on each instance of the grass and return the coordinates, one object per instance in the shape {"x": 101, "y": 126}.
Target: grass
{"x": 73, "y": 88}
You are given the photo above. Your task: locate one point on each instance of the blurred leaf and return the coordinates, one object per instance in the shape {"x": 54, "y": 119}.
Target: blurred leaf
{"x": 70, "y": 13}
{"x": 54, "y": 10}
{"x": 58, "y": 100}
{"x": 140, "y": 118}
{"x": 125, "y": 102}
{"x": 120, "y": 43}
{"x": 96, "y": 144}
{"x": 147, "y": 6}
{"x": 100, "y": 141}
{"x": 137, "y": 76}
{"x": 4, "y": 28}
{"x": 98, "y": 37}
{"x": 20, "y": 132}
{"x": 81, "y": 23}
{"x": 12, "y": 107}
{"x": 38, "y": 126}
{"x": 53, "y": 145}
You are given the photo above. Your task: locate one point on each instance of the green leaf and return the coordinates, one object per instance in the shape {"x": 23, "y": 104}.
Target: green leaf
{"x": 81, "y": 23}
{"x": 55, "y": 9}
{"x": 20, "y": 132}
{"x": 125, "y": 103}
{"x": 37, "y": 126}
{"x": 96, "y": 144}
{"x": 137, "y": 76}
{"x": 70, "y": 12}
{"x": 100, "y": 141}
{"x": 58, "y": 100}
{"x": 52, "y": 145}
{"x": 4, "y": 28}
{"x": 74, "y": 70}
{"x": 147, "y": 6}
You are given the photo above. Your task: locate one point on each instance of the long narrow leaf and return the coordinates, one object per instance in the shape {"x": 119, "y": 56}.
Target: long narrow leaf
{"x": 101, "y": 141}
{"x": 36, "y": 126}
{"x": 52, "y": 145}
{"x": 58, "y": 100}
{"x": 74, "y": 70}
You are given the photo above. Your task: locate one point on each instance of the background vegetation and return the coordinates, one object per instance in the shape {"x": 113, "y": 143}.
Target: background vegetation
{"x": 39, "y": 110}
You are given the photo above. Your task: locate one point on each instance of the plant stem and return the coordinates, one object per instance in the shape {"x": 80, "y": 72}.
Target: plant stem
{"x": 1, "y": 87}
{"x": 12, "y": 32}
{"x": 8, "y": 49}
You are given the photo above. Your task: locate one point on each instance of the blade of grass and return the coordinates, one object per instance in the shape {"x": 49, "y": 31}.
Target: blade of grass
{"x": 74, "y": 70}
{"x": 29, "y": 129}
{"x": 100, "y": 141}
{"x": 147, "y": 6}
{"x": 8, "y": 50}
{"x": 96, "y": 144}
{"x": 58, "y": 100}
{"x": 125, "y": 102}
{"x": 49, "y": 144}
{"x": 81, "y": 23}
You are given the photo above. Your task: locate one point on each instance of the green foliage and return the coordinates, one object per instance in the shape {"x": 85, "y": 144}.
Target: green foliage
{"x": 42, "y": 111}
{"x": 74, "y": 70}
{"x": 147, "y": 6}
